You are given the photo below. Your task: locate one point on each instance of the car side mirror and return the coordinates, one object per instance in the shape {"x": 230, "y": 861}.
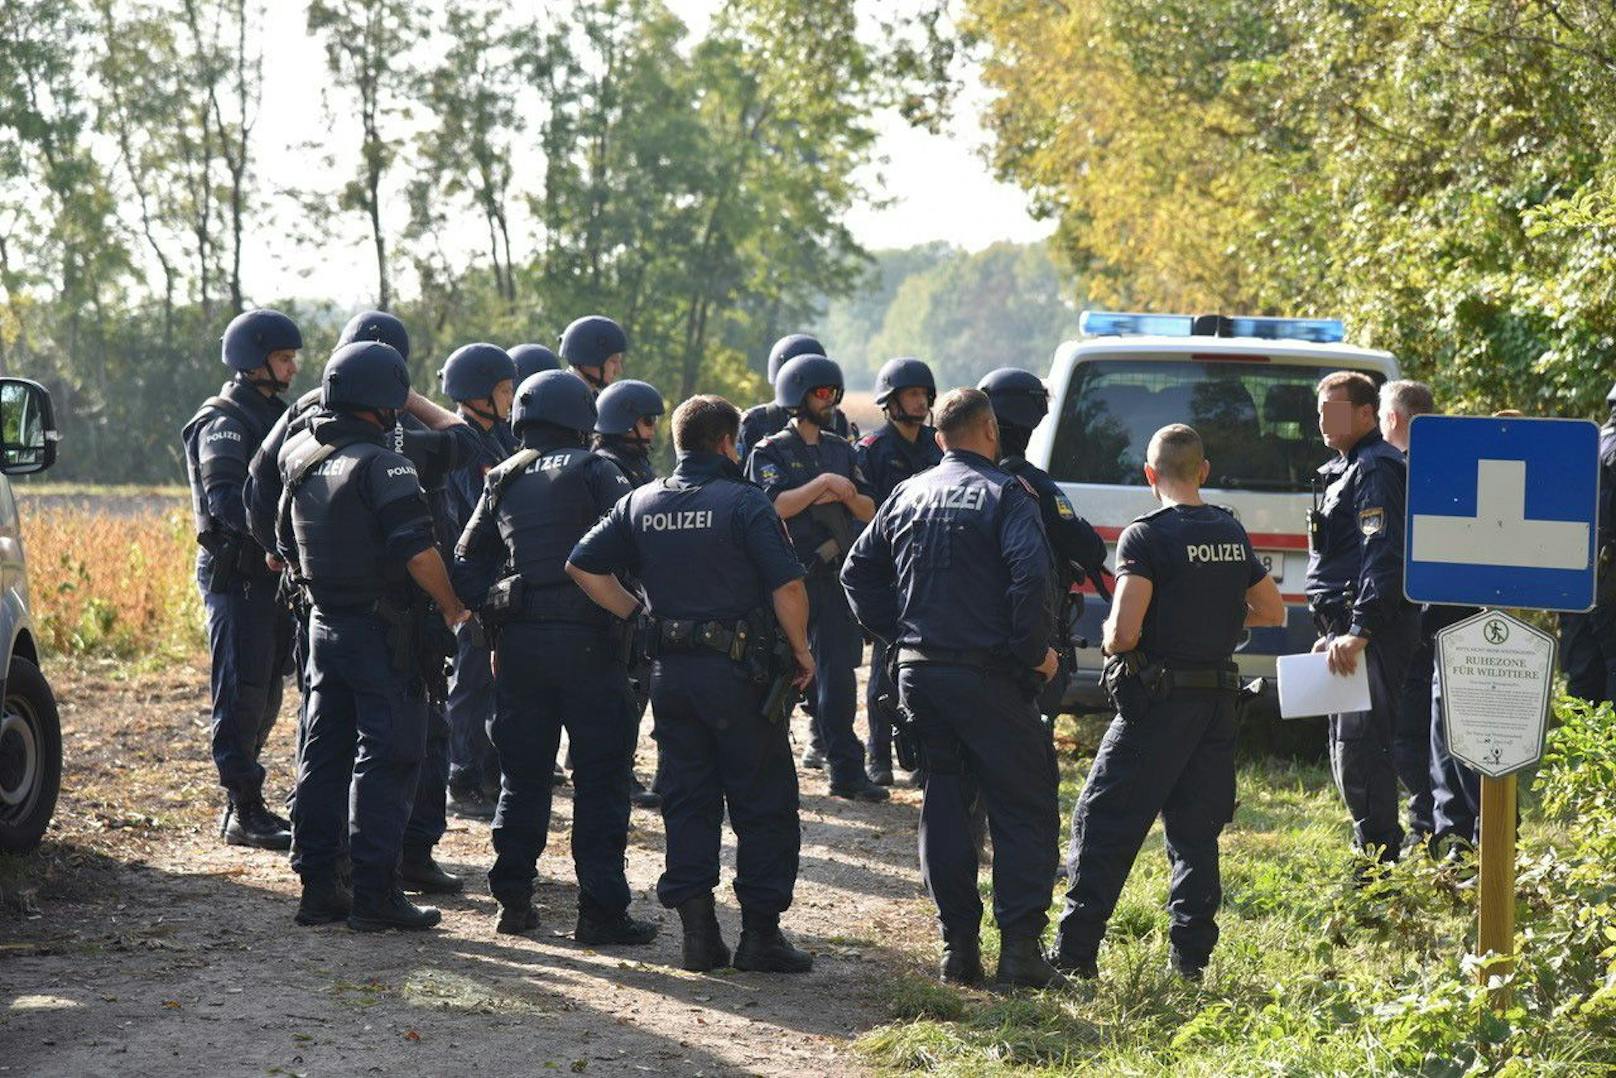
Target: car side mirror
{"x": 28, "y": 433}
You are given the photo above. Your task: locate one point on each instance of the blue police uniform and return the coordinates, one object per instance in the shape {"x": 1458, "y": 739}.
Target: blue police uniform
{"x": 762, "y": 420}
{"x": 1079, "y": 553}
{"x": 1355, "y": 584}
{"x": 887, "y": 458}
{"x": 955, "y": 571}
{"x": 1455, "y": 800}
{"x": 1176, "y": 759}
{"x": 249, "y": 631}
{"x": 560, "y": 667}
{"x": 436, "y": 455}
{"x": 1588, "y": 641}
{"x": 473, "y": 761}
{"x": 352, "y": 525}
{"x": 707, "y": 548}
{"x": 782, "y": 462}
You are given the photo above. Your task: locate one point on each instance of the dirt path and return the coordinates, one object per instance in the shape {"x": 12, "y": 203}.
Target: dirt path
{"x": 160, "y": 951}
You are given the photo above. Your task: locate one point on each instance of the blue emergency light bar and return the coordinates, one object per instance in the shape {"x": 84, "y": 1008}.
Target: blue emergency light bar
{"x": 1123, "y": 324}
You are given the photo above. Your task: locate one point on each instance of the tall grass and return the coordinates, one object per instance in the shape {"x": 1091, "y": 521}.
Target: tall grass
{"x": 113, "y": 584}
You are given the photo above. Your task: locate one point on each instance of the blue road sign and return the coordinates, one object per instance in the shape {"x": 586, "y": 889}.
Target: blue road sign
{"x": 1502, "y": 512}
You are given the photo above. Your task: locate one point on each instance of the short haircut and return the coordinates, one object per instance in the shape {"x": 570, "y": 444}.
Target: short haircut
{"x": 1176, "y": 453}
{"x": 1407, "y": 398}
{"x": 960, "y": 410}
{"x": 701, "y": 423}
{"x": 1359, "y": 386}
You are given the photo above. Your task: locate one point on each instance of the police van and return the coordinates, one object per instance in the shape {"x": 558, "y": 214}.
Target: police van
{"x": 1248, "y": 386}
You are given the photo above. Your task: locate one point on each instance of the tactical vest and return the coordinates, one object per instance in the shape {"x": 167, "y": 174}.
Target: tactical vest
{"x": 636, "y": 467}
{"x": 340, "y": 549}
{"x": 691, "y": 564}
{"x": 543, "y": 507}
{"x": 224, "y": 404}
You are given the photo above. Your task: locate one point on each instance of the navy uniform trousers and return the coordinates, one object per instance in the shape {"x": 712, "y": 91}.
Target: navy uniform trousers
{"x": 1176, "y": 762}
{"x": 249, "y": 637}
{"x": 880, "y": 746}
{"x": 555, "y": 675}
{"x": 364, "y": 738}
{"x": 837, "y": 645}
{"x": 715, "y": 751}
{"x": 1588, "y": 654}
{"x": 1362, "y": 742}
{"x": 470, "y": 706}
{"x": 1411, "y": 738}
{"x": 977, "y": 730}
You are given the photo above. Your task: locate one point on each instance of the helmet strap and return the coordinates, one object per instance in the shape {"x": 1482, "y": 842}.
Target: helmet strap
{"x": 265, "y": 381}
{"x": 592, "y": 376}
{"x": 486, "y": 415}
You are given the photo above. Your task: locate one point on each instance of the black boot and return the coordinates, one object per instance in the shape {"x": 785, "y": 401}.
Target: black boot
{"x": 640, "y": 797}
{"x": 390, "y": 909}
{"x": 962, "y": 960}
{"x": 248, "y": 823}
{"x": 325, "y": 900}
{"x": 418, "y": 871}
{"x": 704, "y": 948}
{"x": 813, "y": 759}
{"x": 1083, "y": 965}
{"x": 861, "y": 789}
{"x": 599, "y": 927}
{"x": 765, "y": 949}
{"x": 468, "y": 803}
{"x": 1186, "y": 966}
{"x": 516, "y": 916}
{"x": 1022, "y": 964}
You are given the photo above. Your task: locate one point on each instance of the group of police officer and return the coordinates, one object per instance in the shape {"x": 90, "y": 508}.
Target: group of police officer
{"x": 351, "y": 537}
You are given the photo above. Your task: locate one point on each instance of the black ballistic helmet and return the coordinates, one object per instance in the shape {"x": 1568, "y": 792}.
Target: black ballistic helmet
{"x": 788, "y": 348}
{"x": 377, "y": 326}
{"x": 252, "y": 335}
{"x": 1019, "y": 397}
{"x": 904, "y": 373}
{"x": 622, "y": 403}
{"x": 803, "y": 374}
{"x": 530, "y": 359}
{"x": 559, "y": 398}
{"x": 472, "y": 371}
{"x": 365, "y": 374}
{"x": 590, "y": 341}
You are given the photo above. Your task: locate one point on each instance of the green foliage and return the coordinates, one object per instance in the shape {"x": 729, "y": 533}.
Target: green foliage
{"x": 1436, "y": 173}
{"x": 1314, "y": 975}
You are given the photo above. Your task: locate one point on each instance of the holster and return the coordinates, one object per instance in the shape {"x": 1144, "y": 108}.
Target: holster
{"x": 438, "y": 650}
{"x": 905, "y": 740}
{"x": 403, "y": 629}
{"x": 1133, "y": 683}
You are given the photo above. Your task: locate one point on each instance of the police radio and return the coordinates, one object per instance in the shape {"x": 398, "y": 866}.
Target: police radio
{"x": 1315, "y": 518}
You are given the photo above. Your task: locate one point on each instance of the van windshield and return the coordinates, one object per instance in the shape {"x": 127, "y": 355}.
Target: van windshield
{"x": 1259, "y": 420}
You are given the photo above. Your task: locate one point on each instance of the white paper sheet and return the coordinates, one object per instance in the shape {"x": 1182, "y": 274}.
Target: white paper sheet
{"x": 1306, "y": 687}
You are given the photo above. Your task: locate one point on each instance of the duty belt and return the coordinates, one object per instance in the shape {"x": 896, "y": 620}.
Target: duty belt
{"x": 1329, "y": 615}
{"x": 1226, "y": 679}
{"x": 978, "y": 657}
{"x": 680, "y": 636}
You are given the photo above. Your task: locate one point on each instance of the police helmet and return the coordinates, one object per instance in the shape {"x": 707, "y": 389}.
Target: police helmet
{"x": 530, "y": 359}
{"x": 1019, "y": 397}
{"x": 622, "y": 403}
{"x": 473, "y": 370}
{"x": 590, "y": 341}
{"x": 788, "y": 348}
{"x": 554, "y": 397}
{"x": 252, "y": 335}
{"x": 377, "y": 326}
{"x": 803, "y": 374}
{"x": 365, "y": 374}
{"x": 904, "y": 373}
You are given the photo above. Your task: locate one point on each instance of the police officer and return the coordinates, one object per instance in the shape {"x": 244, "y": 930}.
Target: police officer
{"x": 625, "y": 427}
{"x": 1446, "y": 809}
{"x": 356, "y": 528}
{"x": 249, "y": 633}
{"x": 1588, "y": 641}
{"x": 594, "y": 347}
{"x": 762, "y": 420}
{"x": 481, "y": 379}
{"x": 530, "y": 359}
{"x": 560, "y": 660}
{"x": 1020, "y": 403}
{"x": 903, "y": 447}
{"x": 1355, "y": 592}
{"x": 437, "y": 442}
{"x": 955, "y": 572}
{"x": 1189, "y": 584}
{"x": 812, "y": 476}
{"x": 721, "y": 585}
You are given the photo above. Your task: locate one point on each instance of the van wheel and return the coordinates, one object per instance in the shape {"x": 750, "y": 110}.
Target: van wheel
{"x": 30, "y": 757}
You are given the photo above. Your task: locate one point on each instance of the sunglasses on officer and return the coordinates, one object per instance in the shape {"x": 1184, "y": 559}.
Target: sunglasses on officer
{"x": 824, "y": 393}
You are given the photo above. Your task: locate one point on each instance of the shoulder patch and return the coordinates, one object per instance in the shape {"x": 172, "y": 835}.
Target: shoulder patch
{"x": 1372, "y": 522}
{"x": 769, "y": 472}
{"x": 1064, "y": 507}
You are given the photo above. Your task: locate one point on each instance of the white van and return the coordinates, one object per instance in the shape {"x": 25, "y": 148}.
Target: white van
{"x": 1248, "y": 386}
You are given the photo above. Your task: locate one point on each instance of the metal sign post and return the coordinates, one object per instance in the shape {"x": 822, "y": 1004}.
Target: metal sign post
{"x": 1502, "y": 512}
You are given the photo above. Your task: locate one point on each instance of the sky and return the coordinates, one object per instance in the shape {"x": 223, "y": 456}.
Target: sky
{"x": 938, "y": 187}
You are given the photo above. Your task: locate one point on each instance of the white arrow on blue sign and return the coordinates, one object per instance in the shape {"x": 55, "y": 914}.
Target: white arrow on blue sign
{"x": 1502, "y": 512}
